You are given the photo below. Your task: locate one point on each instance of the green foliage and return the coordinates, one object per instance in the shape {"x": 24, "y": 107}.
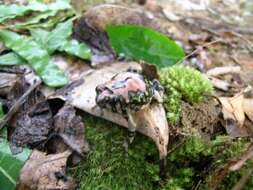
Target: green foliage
{"x": 182, "y": 179}
{"x": 73, "y": 47}
{"x": 10, "y": 165}
{"x": 108, "y": 166}
{"x": 36, "y": 56}
{"x": 182, "y": 83}
{"x": 12, "y": 11}
{"x": 58, "y": 39}
{"x": 192, "y": 149}
{"x": 11, "y": 59}
{"x": 143, "y": 43}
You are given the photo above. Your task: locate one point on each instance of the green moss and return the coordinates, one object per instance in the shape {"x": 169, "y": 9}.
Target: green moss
{"x": 182, "y": 82}
{"x": 197, "y": 154}
{"x": 108, "y": 166}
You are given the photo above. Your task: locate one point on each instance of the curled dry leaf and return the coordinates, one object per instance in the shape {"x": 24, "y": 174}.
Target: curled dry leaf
{"x": 43, "y": 172}
{"x": 70, "y": 128}
{"x": 233, "y": 115}
{"x": 234, "y": 111}
{"x": 248, "y": 107}
{"x": 31, "y": 123}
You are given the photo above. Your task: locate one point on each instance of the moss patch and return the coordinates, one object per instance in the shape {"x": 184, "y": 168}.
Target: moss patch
{"x": 108, "y": 166}
{"x": 182, "y": 83}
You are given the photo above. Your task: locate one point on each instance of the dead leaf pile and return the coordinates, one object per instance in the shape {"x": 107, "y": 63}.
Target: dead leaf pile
{"x": 32, "y": 123}
{"x": 42, "y": 172}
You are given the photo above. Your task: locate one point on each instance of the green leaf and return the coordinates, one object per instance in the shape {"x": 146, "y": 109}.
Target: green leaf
{"x": 75, "y": 48}
{"x": 36, "y": 56}
{"x": 11, "y": 59}
{"x": 34, "y": 20}
{"x": 59, "y": 35}
{"x": 40, "y": 36}
{"x": 12, "y": 11}
{"x": 10, "y": 165}
{"x": 58, "y": 39}
{"x": 143, "y": 43}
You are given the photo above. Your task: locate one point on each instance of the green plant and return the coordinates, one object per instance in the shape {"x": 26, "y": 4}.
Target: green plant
{"x": 185, "y": 83}
{"x": 142, "y": 43}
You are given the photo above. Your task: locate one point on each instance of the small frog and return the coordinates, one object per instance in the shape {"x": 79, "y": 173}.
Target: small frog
{"x": 127, "y": 93}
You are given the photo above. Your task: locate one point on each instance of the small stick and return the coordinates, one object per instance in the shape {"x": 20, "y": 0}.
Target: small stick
{"x": 198, "y": 49}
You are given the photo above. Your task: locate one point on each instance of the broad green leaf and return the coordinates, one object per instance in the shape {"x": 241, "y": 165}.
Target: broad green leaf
{"x": 59, "y": 35}
{"x": 36, "y": 56}
{"x": 12, "y": 11}
{"x": 58, "y": 39}
{"x": 40, "y": 36}
{"x": 75, "y": 48}
{"x": 11, "y": 59}
{"x": 10, "y": 165}
{"x": 143, "y": 43}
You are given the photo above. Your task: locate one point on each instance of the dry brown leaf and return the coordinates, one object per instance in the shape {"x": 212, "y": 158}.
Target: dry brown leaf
{"x": 235, "y": 109}
{"x": 44, "y": 172}
{"x": 232, "y": 108}
{"x": 33, "y": 119}
{"x": 248, "y": 107}
{"x": 238, "y": 111}
{"x": 70, "y": 134}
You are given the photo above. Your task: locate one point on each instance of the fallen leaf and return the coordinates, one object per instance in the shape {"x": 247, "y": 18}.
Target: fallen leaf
{"x": 248, "y": 107}
{"x": 232, "y": 108}
{"x": 70, "y": 128}
{"x": 43, "y": 172}
{"x": 234, "y": 111}
{"x": 31, "y": 123}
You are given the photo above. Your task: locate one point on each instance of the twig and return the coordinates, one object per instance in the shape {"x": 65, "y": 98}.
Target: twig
{"x": 198, "y": 49}
{"x": 18, "y": 103}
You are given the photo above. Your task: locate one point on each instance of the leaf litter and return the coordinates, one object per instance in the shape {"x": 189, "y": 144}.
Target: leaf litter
{"x": 230, "y": 107}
